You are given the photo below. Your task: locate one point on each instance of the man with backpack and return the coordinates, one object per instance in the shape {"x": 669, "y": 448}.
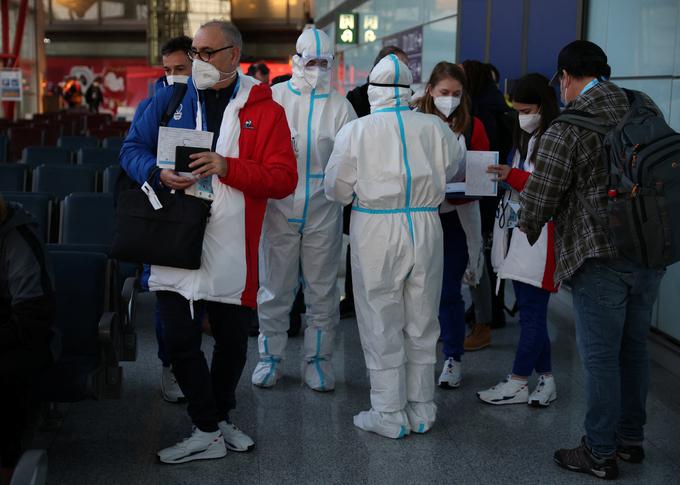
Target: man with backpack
{"x": 587, "y": 181}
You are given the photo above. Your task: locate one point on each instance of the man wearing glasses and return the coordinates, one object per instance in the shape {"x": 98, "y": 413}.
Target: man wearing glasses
{"x": 251, "y": 161}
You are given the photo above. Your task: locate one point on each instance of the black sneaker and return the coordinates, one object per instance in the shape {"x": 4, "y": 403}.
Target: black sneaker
{"x": 631, "y": 453}
{"x": 581, "y": 460}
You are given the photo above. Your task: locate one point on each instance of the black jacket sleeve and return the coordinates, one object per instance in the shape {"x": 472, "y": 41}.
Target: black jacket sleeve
{"x": 30, "y": 303}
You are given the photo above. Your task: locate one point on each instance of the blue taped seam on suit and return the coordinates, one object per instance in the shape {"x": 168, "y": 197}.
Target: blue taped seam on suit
{"x": 402, "y": 134}
{"x": 293, "y": 90}
{"x": 272, "y": 360}
{"x": 322, "y": 382}
{"x": 401, "y": 210}
{"x": 392, "y": 109}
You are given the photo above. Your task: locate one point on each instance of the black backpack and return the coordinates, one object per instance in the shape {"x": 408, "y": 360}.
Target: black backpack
{"x": 124, "y": 181}
{"x": 642, "y": 157}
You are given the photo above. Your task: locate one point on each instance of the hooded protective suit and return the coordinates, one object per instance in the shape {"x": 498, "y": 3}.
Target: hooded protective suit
{"x": 302, "y": 234}
{"x": 395, "y": 163}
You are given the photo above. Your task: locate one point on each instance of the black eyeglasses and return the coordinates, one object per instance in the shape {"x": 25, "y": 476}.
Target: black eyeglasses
{"x": 206, "y": 54}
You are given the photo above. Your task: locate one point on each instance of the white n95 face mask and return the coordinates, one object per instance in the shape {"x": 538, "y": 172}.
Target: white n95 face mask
{"x": 447, "y": 104}
{"x": 530, "y": 123}
{"x": 314, "y": 76}
{"x": 176, "y": 79}
{"x": 205, "y": 75}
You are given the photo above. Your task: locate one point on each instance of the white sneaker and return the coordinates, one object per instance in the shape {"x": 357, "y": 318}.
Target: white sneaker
{"x": 234, "y": 438}
{"x": 391, "y": 425}
{"x": 169, "y": 387}
{"x": 545, "y": 392}
{"x": 319, "y": 375}
{"x": 510, "y": 391}
{"x": 198, "y": 446}
{"x": 267, "y": 372}
{"x": 451, "y": 374}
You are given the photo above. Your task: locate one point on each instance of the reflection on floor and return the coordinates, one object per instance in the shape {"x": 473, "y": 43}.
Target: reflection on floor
{"x": 305, "y": 437}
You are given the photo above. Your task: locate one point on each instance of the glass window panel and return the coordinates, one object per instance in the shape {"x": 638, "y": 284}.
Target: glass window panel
{"x": 596, "y": 28}
{"x": 675, "y": 105}
{"x": 668, "y": 321}
{"x": 640, "y": 35}
{"x": 439, "y": 44}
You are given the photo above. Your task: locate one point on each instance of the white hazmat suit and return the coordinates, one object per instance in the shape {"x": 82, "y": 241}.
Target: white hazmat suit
{"x": 302, "y": 234}
{"x": 395, "y": 163}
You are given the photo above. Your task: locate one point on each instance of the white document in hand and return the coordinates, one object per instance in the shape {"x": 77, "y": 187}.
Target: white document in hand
{"x": 478, "y": 183}
{"x": 170, "y": 138}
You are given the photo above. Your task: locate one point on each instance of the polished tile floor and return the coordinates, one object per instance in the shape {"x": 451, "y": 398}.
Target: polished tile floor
{"x": 308, "y": 438}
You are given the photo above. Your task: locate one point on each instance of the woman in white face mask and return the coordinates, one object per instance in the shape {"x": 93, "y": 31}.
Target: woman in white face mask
{"x": 446, "y": 97}
{"x": 531, "y": 268}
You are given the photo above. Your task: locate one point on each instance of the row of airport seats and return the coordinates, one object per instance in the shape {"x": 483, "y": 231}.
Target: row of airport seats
{"x": 63, "y": 129}
{"x": 95, "y": 293}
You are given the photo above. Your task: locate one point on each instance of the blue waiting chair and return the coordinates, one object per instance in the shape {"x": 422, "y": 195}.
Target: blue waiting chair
{"x": 75, "y": 142}
{"x": 113, "y": 142}
{"x": 87, "y": 219}
{"x": 35, "y": 156}
{"x": 61, "y": 180}
{"x": 109, "y": 178}
{"x": 87, "y": 364}
{"x": 12, "y": 177}
{"x": 101, "y": 157}
{"x": 31, "y": 469}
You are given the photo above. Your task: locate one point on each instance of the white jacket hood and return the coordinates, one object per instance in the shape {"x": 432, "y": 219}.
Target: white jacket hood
{"x": 312, "y": 44}
{"x": 396, "y": 78}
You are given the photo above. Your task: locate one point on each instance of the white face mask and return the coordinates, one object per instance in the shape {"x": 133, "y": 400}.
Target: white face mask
{"x": 314, "y": 76}
{"x": 205, "y": 75}
{"x": 447, "y": 104}
{"x": 176, "y": 79}
{"x": 530, "y": 123}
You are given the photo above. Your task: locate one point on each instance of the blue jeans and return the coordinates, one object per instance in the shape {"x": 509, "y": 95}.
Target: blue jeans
{"x": 533, "y": 350}
{"x": 452, "y": 307}
{"x": 613, "y": 302}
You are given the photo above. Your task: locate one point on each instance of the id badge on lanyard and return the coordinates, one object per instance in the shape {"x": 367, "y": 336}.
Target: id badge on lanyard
{"x": 512, "y": 218}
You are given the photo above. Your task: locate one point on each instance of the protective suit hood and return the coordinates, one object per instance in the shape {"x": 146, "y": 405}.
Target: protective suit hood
{"x": 312, "y": 43}
{"x": 394, "y": 73}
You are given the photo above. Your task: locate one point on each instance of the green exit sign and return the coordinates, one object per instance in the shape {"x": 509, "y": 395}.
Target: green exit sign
{"x": 347, "y": 28}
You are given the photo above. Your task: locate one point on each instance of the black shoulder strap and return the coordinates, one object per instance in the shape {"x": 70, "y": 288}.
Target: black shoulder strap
{"x": 178, "y": 92}
{"x": 583, "y": 119}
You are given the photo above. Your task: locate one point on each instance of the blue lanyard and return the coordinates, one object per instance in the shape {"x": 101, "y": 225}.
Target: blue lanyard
{"x": 590, "y": 85}
{"x": 204, "y": 120}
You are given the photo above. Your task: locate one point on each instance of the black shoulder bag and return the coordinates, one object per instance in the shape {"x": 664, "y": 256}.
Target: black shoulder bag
{"x": 160, "y": 228}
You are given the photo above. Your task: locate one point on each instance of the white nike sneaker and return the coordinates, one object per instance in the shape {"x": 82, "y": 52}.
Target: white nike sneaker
{"x": 510, "y": 391}
{"x": 169, "y": 387}
{"x": 199, "y": 446}
{"x": 391, "y": 425}
{"x": 545, "y": 392}
{"x": 451, "y": 375}
{"x": 234, "y": 438}
{"x": 421, "y": 416}
{"x": 267, "y": 372}
{"x": 319, "y": 375}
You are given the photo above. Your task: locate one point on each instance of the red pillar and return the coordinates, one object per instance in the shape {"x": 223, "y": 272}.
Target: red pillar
{"x": 9, "y": 56}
